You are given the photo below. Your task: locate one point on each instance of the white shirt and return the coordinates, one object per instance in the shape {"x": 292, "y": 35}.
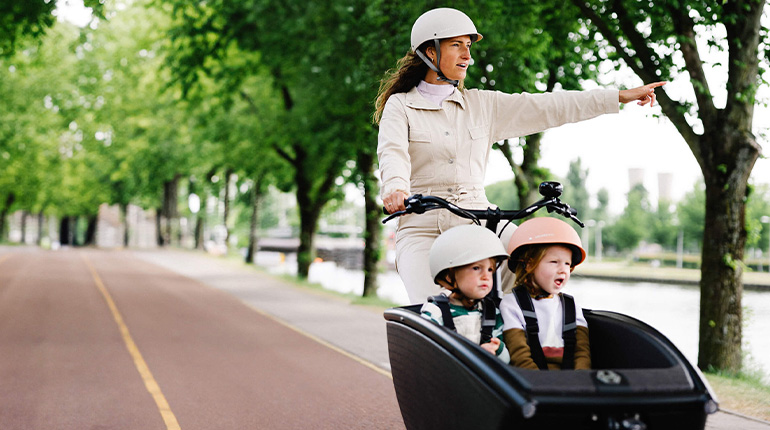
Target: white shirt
{"x": 550, "y": 318}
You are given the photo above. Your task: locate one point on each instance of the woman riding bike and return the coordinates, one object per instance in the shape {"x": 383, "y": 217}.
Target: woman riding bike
{"x": 435, "y": 136}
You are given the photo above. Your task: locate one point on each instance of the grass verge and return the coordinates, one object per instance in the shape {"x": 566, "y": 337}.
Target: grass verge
{"x": 742, "y": 393}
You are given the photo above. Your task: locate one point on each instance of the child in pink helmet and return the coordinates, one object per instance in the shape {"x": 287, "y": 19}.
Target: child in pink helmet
{"x": 543, "y": 327}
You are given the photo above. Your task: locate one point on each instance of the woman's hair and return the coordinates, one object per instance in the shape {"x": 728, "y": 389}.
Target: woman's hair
{"x": 409, "y": 71}
{"x": 527, "y": 261}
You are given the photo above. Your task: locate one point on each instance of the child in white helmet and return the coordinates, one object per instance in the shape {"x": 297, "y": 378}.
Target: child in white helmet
{"x": 544, "y": 328}
{"x": 464, "y": 260}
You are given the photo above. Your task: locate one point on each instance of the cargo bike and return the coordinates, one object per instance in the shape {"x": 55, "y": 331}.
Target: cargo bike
{"x": 639, "y": 378}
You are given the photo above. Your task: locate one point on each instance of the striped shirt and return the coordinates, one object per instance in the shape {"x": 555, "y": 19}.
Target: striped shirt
{"x": 468, "y": 323}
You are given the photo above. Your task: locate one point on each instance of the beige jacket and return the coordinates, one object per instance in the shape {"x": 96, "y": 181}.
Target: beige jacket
{"x": 424, "y": 148}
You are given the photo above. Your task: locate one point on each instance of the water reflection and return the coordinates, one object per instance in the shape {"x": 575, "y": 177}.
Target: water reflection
{"x": 671, "y": 309}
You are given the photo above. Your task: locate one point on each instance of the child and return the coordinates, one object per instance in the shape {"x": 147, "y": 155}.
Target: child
{"x": 540, "y": 329}
{"x": 463, "y": 260}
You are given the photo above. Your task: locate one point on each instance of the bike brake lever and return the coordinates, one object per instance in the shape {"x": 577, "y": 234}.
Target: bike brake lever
{"x": 413, "y": 205}
{"x": 393, "y": 215}
{"x": 566, "y": 211}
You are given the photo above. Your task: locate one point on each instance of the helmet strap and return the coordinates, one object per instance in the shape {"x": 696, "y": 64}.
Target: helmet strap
{"x": 436, "y": 67}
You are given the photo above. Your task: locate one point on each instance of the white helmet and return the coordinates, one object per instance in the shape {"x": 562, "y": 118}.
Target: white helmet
{"x": 464, "y": 244}
{"x": 442, "y": 23}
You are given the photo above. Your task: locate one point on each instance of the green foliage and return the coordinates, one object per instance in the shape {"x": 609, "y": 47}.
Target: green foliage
{"x": 757, "y": 207}
{"x": 691, "y": 211}
{"x": 633, "y": 225}
{"x": 575, "y": 191}
{"x": 21, "y": 21}
{"x": 664, "y": 227}
{"x": 503, "y": 195}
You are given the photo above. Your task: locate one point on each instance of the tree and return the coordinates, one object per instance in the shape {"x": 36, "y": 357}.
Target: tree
{"x": 30, "y": 20}
{"x": 633, "y": 224}
{"x": 306, "y": 71}
{"x": 691, "y": 212}
{"x": 602, "y": 205}
{"x": 649, "y": 38}
{"x": 664, "y": 227}
{"x": 575, "y": 191}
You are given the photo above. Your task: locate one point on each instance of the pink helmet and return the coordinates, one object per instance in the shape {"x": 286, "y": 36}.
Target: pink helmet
{"x": 545, "y": 231}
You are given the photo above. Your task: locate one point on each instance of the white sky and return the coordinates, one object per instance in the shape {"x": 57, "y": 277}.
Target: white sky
{"x": 610, "y": 145}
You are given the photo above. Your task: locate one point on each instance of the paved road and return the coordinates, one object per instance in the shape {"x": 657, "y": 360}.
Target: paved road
{"x": 216, "y": 346}
{"x": 105, "y": 340}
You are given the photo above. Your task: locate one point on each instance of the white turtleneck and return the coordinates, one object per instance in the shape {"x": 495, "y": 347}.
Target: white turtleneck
{"x": 435, "y": 93}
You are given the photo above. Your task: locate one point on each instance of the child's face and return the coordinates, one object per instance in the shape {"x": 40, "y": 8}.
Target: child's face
{"x": 475, "y": 279}
{"x": 552, "y": 272}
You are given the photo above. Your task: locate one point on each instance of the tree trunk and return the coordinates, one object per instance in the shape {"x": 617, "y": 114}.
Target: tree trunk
{"x": 528, "y": 175}
{"x": 724, "y": 240}
{"x": 90, "y": 236}
{"x": 63, "y": 231}
{"x": 170, "y": 211}
{"x": 159, "y": 227}
{"x": 199, "y": 222}
{"x": 306, "y": 251}
{"x": 228, "y": 174}
{"x": 23, "y": 227}
{"x": 255, "y": 199}
{"x": 373, "y": 229}
{"x": 40, "y": 223}
{"x": 4, "y": 213}
{"x": 124, "y": 216}
{"x": 311, "y": 193}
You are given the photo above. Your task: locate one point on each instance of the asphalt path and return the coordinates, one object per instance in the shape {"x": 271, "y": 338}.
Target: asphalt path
{"x": 170, "y": 339}
{"x": 112, "y": 340}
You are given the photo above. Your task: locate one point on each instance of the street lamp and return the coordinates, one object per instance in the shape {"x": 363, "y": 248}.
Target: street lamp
{"x": 766, "y": 220}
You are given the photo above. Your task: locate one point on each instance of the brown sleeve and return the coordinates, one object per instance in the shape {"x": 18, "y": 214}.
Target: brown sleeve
{"x": 582, "y": 349}
{"x": 516, "y": 341}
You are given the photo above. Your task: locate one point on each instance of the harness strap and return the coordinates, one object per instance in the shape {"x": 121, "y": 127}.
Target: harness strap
{"x": 569, "y": 331}
{"x": 568, "y": 334}
{"x": 489, "y": 317}
{"x": 532, "y": 328}
{"x": 442, "y": 302}
{"x": 488, "y": 312}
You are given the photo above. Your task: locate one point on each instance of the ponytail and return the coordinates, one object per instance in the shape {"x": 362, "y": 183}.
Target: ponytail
{"x": 409, "y": 71}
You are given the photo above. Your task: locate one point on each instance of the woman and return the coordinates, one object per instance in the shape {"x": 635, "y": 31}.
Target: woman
{"x": 435, "y": 136}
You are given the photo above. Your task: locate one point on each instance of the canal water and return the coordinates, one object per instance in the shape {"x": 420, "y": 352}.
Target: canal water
{"x": 669, "y": 308}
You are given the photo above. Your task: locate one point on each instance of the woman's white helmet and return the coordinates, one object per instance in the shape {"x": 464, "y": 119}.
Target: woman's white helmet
{"x": 464, "y": 244}
{"x": 442, "y": 23}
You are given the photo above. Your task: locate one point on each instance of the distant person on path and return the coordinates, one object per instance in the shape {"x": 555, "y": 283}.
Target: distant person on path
{"x": 435, "y": 136}
{"x": 464, "y": 261}
{"x": 543, "y": 327}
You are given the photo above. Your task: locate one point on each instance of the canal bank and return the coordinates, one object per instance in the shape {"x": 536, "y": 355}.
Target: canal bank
{"x": 626, "y": 271}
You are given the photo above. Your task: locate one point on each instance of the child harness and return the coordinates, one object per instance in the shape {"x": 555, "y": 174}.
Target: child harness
{"x": 487, "y": 311}
{"x": 567, "y": 334}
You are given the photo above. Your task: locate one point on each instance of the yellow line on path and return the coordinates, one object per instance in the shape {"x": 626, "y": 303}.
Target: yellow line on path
{"x": 149, "y": 381}
{"x": 4, "y": 257}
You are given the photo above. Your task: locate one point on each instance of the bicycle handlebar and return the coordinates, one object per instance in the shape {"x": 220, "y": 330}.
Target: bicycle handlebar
{"x": 418, "y": 204}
